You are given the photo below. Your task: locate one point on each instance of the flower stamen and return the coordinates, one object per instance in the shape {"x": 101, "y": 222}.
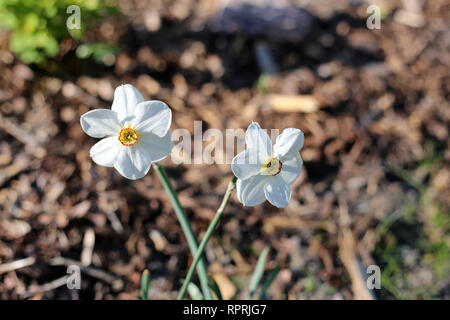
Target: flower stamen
{"x": 128, "y": 137}
{"x": 272, "y": 167}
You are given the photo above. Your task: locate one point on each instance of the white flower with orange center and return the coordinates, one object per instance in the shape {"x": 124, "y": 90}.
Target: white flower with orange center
{"x": 265, "y": 173}
{"x": 136, "y": 132}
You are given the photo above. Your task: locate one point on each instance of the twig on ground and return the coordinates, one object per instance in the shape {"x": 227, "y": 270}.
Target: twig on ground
{"x": 46, "y": 287}
{"x": 115, "y": 222}
{"x": 21, "y": 163}
{"x": 18, "y": 132}
{"x": 88, "y": 247}
{"x": 18, "y": 264}
{"x": 348, "y": 255}
{"x": 116, "y": 282}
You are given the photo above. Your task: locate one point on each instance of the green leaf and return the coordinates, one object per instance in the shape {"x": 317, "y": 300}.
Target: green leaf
{"x": 101, "y": 52}
{"x": 263, "y": 83}
{"x": 31, "y": 56}
{"x": 77, "y": 34}
{"x": 194, "y": 292}
{"x": 31, "y": 22}
{"x": 145, "y": 284}
{"x": 272, "y": 275}
{"x": 258, "y": 273}
{"x": 10, "y": 21}
{"x": 83, "y": 51}
{"x": 215, "y": 288}
{"x": 52, "y": 47}
{"x": 21, "y": 41}
{"x": 37, "y": 27}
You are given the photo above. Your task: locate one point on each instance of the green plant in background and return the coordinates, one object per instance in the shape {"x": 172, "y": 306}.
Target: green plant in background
{"x": 100, "y": 52}
{"x": 37, "y": 27}
{"x": 423, "y": 274}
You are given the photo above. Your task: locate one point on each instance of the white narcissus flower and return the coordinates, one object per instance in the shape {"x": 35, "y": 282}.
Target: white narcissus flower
{"x": 136, "y": 132}
{"x": 264, "y": 172}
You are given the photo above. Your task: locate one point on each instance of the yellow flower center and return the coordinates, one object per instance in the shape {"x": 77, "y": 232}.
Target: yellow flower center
{"x": 128, "y": 136}
{"x": 272, "y": 167}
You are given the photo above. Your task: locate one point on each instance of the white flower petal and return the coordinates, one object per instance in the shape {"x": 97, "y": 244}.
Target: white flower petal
{"x": 251, "y": 191}
{"x": 126, "y": 98}
{"x": 256, "y": 138}
{"x": 133, "y": 162}
{"x": 292, "y": 166}
{"x": 100, "y": 123}
{"x": 289, "y": 141}
{"x": 105, "y": 151}
{"x": 277, "y": 191}
{"x": 152, "y": 117}
{"x": 158, "y": 148}
{"x": 246, "y": 164}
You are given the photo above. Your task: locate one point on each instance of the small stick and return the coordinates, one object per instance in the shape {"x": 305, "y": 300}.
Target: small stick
{"x": 18, "y": 264}
{"x": 21, "y": 163}
{"x": 114, "y": 220}
{"x": 347, "y": 253}
{"x": 18, "y": 132}
{"x": 47, "y": 287}
{"x": 88, "y": 247}
{"x": 116, "y": 282}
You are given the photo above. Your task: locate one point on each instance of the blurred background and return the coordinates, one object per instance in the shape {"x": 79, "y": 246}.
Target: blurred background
{"x": 373, "y": 104}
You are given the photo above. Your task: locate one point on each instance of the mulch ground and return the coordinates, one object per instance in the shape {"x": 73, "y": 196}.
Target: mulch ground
{"x": 375, "y": 187}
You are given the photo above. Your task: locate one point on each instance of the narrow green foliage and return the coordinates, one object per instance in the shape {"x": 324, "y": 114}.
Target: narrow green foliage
{"x": 215, "y": 288}
{"x": 272, "y": 275}
{"x": 198, "y": 255}
{"x": 145, "y": 284}
{"x": 258, "y": 273}
{"x": 186, "y": 227}
{"x": 194, "y": 292}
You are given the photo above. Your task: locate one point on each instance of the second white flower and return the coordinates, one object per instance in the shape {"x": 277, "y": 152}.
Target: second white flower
{"x": 265, "y": 173}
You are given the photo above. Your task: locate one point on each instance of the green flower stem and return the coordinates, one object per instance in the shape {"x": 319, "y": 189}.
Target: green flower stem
{"x": 186, "y": 227}
{"x": 209, "y": 231}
